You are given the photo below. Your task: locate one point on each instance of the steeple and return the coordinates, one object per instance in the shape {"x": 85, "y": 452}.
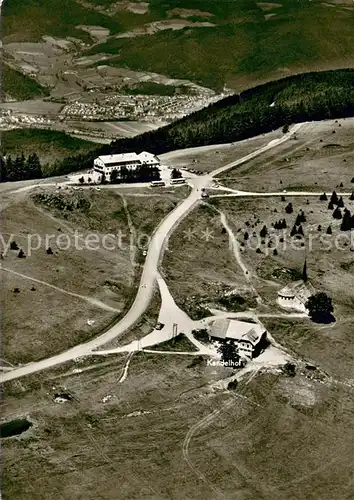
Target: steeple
{"x": 304, "y": 272}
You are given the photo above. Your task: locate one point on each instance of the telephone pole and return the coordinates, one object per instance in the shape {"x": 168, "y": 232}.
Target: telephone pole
{"x": 174, "y": 331}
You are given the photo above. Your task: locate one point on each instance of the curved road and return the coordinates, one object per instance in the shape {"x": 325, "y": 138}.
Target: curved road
{"x": 150, "y": 270}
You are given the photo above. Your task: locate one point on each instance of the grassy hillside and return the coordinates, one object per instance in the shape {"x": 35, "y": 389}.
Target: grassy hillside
{"x": 48, "y": 144}
{"x": 20, "y": 86}
{"x": 28, "y": 21}
{"x": 245, "y": 45}
{"x": 250, "y": 41}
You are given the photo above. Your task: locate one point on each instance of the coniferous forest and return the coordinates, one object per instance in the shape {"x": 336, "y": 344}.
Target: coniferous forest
{"x": 20, "y": 167}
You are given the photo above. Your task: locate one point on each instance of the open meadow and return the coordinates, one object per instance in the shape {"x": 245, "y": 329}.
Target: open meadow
{"x": 208, "y": 158}
{"x": 82, "y": 259}
{"x": 319, "y": 159}
{"x": 277, "y": 259}
{"x": 174, "y": 434}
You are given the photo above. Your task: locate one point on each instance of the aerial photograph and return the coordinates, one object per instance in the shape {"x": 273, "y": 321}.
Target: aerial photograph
{"x": 177, "y": 250}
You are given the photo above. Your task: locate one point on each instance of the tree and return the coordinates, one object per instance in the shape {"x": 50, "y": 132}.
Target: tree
{"x": 229, "y": 352}
{"x": 289, "y": 208}
{"x": 334, "y": 198}
{"x": 346, "y": 224}
{"x": 302, "y": 217}
{"x": 352, "y": 196}
{"x": 275, "y": 252}
{"x": 320, "y": 308}
{"x": 232, "y": 385}
{"x": 21, "y": 254}
{"x": 176, "y": 174}
{"x": 33, "y": 167}
{"x": 289, "y": 369}
{"x": 340, "y": 203}
{"x": 202, "y": 335}
{"x": 49, "y": 251}
{"x": 114, "y": 176}
{"x": 14, "y": 245}
{"x": 81, "y": 180}
{"x": 330, "y": 205}
{"x": 329, "y": 230}
{"x": 323, "y": 197}
{"x": 285, "y": 128}
{"x": 337, "y": 214}
{"x": 298, "y": 220}
{"x": 246, "y": 235}
{"x": 3, "y": 170}
{"x": 263, "y": 232}
{"x": 19, "y": 171}
{"x": 293, "y": 232}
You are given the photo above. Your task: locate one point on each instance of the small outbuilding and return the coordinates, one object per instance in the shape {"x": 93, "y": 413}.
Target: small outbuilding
{"x": 250, "y": 338}
{"x": 295, "y": 295}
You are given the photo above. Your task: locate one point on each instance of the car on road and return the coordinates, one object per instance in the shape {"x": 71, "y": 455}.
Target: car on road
{"x": 98, "y": 188}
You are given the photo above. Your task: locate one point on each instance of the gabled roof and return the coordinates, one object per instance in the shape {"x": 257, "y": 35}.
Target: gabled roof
{"x": 121, "y": 157}
{"x": 298, "y": 289}
{"x": 237, "y": 330}
{"x": 145, "y": 155}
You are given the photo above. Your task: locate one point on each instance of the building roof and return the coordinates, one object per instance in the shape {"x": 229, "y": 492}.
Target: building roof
{"x": 237, "y": 330}
{"x": 298, "y": 289}
{"x": 287, "y": 292}
{"x": 144, "y": 155}
{"x": 117, "y": 158}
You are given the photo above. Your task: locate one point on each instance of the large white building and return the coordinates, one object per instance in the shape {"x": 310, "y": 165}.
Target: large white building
{"x": 249, "y": 337}
{"x": 108, "y": 163}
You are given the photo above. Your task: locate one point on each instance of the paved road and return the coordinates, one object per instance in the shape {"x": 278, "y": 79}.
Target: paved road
{"x": 150, "y": 270}
{"x": 246, "y": 194}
